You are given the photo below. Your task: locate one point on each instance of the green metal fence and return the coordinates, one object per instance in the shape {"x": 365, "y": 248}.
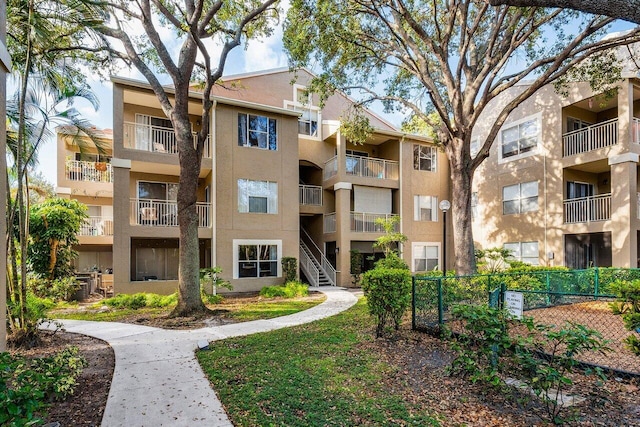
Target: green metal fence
{"x": 550, "y": 297}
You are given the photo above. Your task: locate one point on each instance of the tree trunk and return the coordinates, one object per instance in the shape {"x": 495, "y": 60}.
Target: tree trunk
{"x": 461, "y": 185}
{"x": 190, "y": 301}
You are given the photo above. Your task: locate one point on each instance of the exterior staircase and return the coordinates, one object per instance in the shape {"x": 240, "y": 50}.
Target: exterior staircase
{"x": 315, "y": 266}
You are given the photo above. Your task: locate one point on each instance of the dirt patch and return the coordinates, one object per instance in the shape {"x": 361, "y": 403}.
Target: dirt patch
{"x": 86, "y": 406}
{"x": 421, "y": 362}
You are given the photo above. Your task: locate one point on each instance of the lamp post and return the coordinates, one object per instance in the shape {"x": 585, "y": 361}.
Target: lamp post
{"x": 444, "y": 206}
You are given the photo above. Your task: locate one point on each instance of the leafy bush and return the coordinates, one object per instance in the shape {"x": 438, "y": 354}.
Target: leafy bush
{"x": 388, "y": 292}
{"x": 289, "y": 268}
{"x": 628, "y": 306}
{"x": 159, "y": 301}
{"x": 34, "y": 316}
{"x": 62, "y": 289}
{"x": 488, "y": 352}
{"x": 210, "y": 277}
{"x": 136, "y": 301}
{"x": 27, "y": 385}
{"x": 288, "y": 290}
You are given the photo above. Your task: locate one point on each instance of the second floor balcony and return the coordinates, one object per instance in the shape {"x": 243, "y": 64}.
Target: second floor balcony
{"x": 155, "y": 139}
{"x": 97, "y": 226}
{"x": 596, "y": 136}
{"x": 587, "y": 209}
{"x": 366, "y": 167}
{"x": 164, "y": 213}
{"x": 80, "y": 170}
{"x": 310, "y": 195}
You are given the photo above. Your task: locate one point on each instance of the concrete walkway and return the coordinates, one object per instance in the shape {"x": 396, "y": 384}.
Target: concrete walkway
{"x": 157, "y": 380}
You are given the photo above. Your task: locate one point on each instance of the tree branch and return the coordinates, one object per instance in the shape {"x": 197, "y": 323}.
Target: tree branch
{"x": 628, "y": 10}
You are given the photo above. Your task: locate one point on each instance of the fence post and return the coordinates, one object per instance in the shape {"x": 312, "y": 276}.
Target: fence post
{"x": 440, "y": 304}
{"x": 413, "y": 303}
{"x": 596, "y": 285}
{"x": 548, "y": 288}
{"x": 503, "y": 290}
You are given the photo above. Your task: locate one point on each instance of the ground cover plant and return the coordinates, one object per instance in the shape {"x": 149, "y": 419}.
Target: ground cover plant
{"x": 290, "y": 289}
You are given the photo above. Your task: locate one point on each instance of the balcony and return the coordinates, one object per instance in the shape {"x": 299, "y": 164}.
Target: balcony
{"x": 596, "y": 136}
{"x": 310, "y": 195}
{"x": 164, "y": 213}
{"x": 155, "y": 139}
{"x": 97, "y": 226}
{"x": 366, "y": 167}
{"x": 587, "y": 209}
{"x": 362, "y": 222}
{"x": 77, "y": 170}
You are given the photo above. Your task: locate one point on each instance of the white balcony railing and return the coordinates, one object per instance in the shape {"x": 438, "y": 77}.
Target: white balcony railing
{"x": 155, "y": 139}
{"x": 310, "y": 195}
{"x": 97, "y": 226}
{"x": 587, "y": 209}
{"x": 591, "y": 138}
{"x": 78, "y": 170}
{"x": 330, "y": 223}
{"x": 363, "y": 222}
{"x": 164, "y": 213}
{"x": 635, "y": 130}
{"x": 367, "y": 167}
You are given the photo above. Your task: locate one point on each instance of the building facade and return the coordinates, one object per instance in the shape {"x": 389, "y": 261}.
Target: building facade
{"x": 278, "y": 179}
{"x": 561, "y": 184}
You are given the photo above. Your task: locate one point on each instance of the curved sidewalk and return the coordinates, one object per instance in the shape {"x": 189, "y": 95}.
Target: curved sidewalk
{"x": 157, "y": 380}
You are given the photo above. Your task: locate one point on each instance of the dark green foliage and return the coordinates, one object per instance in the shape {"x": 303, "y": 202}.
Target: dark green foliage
{"x": 289, "y": 268}
{"x": 210, "y": 281}
{"x": 628, "y": 306}
{"x": 62, "y": 289}
{"x": 388, "y": 291}
{"x": 140, "y": 300}
{"x": 356, "y": 267}
{"x": 27, "y": 385}
{"x": 53, "y": 226}
{"x": 292, "y": 289}
{"x": 493, "y": 345}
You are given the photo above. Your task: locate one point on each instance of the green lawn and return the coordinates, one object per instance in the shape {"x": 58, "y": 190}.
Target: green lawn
{"x": 316, "y": 374}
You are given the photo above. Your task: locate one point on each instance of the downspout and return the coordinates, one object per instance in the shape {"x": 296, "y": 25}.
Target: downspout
{"x": 544, "y": 171}
{"x": 214, "y": 182}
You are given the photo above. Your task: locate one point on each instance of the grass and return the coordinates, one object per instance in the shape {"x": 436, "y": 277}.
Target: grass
{"x": 318, "y": 374}
{"x": 240, "y": 309}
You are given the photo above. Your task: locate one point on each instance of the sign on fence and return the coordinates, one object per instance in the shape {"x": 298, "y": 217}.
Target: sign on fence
{"x": 514, "y": 302}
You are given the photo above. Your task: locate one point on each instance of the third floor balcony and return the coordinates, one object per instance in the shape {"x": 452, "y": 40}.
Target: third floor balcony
{"x": 155, "y": 139}
{"x": 587, "y": 209}
{"x": 151, "y": 212}
{"x": 80, "y": 170}
{"x": 365, "y": 167}
{"x": 596, "y": 136}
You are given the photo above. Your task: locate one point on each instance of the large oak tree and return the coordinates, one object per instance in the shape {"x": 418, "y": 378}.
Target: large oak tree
{"x": 622, "y": 9}
{"x": 206, "y": 31}
{"x": 453, "y": 57}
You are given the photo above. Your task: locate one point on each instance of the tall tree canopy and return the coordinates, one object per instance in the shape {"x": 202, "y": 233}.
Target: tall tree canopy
{"x": 622, "y": 9}
{"x": 449, "y": 56}
{"x": 206, "y": 31}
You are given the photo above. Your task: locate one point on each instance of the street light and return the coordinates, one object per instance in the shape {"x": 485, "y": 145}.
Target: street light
{"x": 444, "y": 206}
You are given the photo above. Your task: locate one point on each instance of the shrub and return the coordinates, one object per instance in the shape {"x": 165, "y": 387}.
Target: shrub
{"x": 210, "y": 277}
{"x": 628, "y": 306}
{"x": 159, "y": 301}
{"x": 26, "y": 386}
{"x": 133, "y": 302}
{"x": 289, "y": 268}
{"x": 288, "y": 290}
{"x": 62, "y": 289}
{"x": 388, "y": 292}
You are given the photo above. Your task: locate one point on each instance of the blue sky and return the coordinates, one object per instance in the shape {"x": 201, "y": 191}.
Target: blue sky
{"x": 258, "y": 55}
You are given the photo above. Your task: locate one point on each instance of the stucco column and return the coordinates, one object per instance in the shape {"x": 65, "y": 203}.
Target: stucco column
{"x": 121, "y": 222}
{"x": 625, "y": 116}
{"x": 343, "y": 231}
{"x": 624, "y": 241}
{"x": 341, "y": 148}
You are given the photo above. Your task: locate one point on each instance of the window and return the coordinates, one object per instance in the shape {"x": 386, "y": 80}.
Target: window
{"x": 520, "y": 198}
{"x": 92, "y": 157}
{"x": 257, "y": 196}
{"x": 520, "y": 138}
{"x": 425, "y": 208}
{"x": 155, "y": 134}
{"x": 257, "y": 258}
{"x": 424, "y": 158}
{"x": 524, "y": 252}
{"x": 576, "y": 124}
{"x": 157, "y": 259}
{"x": 257, "y": 131}
{"x": 158, "y": 190}
{"x": 310, "y": 115}
{"x": 426, "y": 256}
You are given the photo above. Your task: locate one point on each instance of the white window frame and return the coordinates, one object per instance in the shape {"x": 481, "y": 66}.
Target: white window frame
{"x": 538, "y": 118}
{"x": 517, "y": 255}
{"x": 248, "y": 130}
{"x": 272, "y": 206}
{"x": 156, "y": 182}
{"x": 414, "y": 252}
{"x": 296, "y": 105}
{"x": 434, "y": 158}
{"x": 258, "y": 242}
{"x": 520, "y": 198}
{"x": 417, "y": 208}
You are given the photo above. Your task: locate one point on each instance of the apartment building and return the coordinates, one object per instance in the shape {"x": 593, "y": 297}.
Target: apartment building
{"x": 278, "y": 179}
{"x": 561, "y": 184}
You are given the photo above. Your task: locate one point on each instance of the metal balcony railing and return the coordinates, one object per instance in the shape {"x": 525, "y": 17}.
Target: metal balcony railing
{"x": 330, "y": 223}
{"x": 363, "y": 222}
{"x": 164, "y": 213}
{"x": 80, "y": 170}
{"x": 591, "y": 138}
{"x": 97, "y": 226}
{"x": 366, "y": 167}
{"x": 310, "y": 195}
{"x": 155, "y": 139}
{"x": 587, "y": 209}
